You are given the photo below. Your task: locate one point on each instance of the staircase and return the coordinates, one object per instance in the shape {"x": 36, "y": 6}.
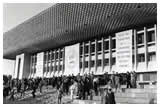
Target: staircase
{"x": 137, "y": 96}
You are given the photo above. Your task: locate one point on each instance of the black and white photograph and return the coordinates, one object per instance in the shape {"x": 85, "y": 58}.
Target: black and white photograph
{"x": 80, "y": 53}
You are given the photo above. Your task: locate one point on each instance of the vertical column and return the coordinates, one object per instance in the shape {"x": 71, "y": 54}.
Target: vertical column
{"x": 146, "y": 47}
{"x": 47, "y": 63}
{"x": 96, "y": 56}
{"x": 54, "y": 61}
{"x": 30, "y": 73}
{"x": 155, "y": 29}
{"x": 50, "y": 70}
{"x": 110, "y": 53}
{"x": 89, "y": 61}
{"x": 102, "y": 54}
{"x": 63, "y": 60}
{"x": 59, "y": 60}
{"x": 83, "y": 56}
{"x": 135, "y": 49}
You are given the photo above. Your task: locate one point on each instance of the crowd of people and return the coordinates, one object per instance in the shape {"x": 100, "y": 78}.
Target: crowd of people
{"x": 82, "y": 87}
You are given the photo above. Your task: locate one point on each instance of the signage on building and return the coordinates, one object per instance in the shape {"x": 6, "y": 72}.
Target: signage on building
{"x": 39, "y": 66}
{"x": 124, "y": 51}
{"x": 72, "y": 60}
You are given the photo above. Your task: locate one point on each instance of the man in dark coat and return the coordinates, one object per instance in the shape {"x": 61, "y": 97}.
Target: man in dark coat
{"x": 109, "y": 96}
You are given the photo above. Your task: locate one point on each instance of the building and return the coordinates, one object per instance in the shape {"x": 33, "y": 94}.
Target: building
{"x": 82, "y": 38}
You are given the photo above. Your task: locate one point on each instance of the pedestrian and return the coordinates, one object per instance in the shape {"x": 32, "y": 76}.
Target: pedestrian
{"x": 109, "y": 96}
{"x": 60, "y": 94}
{"x": 128, "y": 77}
{"x": 117, "y": 82}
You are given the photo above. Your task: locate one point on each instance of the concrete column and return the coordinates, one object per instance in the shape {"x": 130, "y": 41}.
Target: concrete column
{"x": 146, "y": 47}
{"x": 50, "y": 68}
{"x": 110, "y": 53}
{"x": 59, "y": 60}
{"x": 135, "y": 49}
{"x": 96, "y": 56}
{"x": 54, "y": 61}
{"x": 89, "y": 61}
{"x": 102, "y": 54}
{"x": 83, "y": 57}
{"x": 155, "y": 27}
{"x": 63, "y": 59}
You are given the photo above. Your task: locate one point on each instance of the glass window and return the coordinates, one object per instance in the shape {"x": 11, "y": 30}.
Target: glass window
{"x": 92, "y": 63}
{"x": 113, "y": 43}
{"x": 141, "y": 58}
{"x": 152, "y": 56}
{"x": 86, "y": 49}
{"x": 106, "y": 62}
{"x": 113, "y": 61}
{"x": 92, "y": 48}
{"x": 86, "y": 64}
{"x": 80, "y": 64}
{"x": 140, "y": 38}
{"x": 151, "y": 36}
{"x": 99, "y": 46}
{"x": 106, "y": 45}
{"x": 99, "y": 62}
{"x": 81, "y": 50}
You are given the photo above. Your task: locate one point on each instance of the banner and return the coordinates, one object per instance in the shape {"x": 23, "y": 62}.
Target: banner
{"x": 124, "y": 51}
{"x": 72, "y": 60}
{"x": 39, "y": 66}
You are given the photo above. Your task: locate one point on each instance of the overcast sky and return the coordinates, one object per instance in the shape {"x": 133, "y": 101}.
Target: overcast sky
{"x": 14, "y": 14}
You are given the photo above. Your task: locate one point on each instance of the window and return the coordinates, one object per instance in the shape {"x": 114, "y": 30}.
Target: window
{"x": 92, "y": 48}
{"x": 56, "y": 55}
{"x": 99, "y": 46}
{"x": 80, "y": 64}
{"x": 113, "y": 43}
{"x": 61, "y": 54}
{"x": 60, "y": 67}
{"x": 56, "y": 68}
{"x": 99, "y": 62}
{"x": 152, "y": 56}
{"x": 140, "y": 38}
{"x": 52, "y": 56}
{"x": 106, "y": 45}
{"x": 81, "y": 50}
{"x": 86, "y": 64}
{"x": 113, "y": 61}
{"x": 151, "y": 36}
{"x": 106, "y": 62}
{"x": 92, "y": 63}
{"x": 86, "y": 49}
{"x": 141, "y": 58}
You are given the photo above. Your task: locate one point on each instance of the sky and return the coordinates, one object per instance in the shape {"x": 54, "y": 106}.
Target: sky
{"x": 13, "y": 15}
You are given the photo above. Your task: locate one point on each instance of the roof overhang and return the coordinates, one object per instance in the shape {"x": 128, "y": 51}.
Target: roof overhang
{"x": 68, "y": 23}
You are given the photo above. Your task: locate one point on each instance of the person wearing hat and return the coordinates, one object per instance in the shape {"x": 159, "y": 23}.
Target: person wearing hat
{"x": 109, "y": 96}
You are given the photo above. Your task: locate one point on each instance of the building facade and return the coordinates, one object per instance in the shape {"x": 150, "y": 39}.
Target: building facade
{"x": 97, "y": 42}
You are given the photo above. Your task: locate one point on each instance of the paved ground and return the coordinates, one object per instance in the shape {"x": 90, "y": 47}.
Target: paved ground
{"x": 49, "y": 96}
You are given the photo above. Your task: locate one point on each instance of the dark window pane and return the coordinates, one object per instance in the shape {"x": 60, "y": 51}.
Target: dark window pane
{"x": 141, "y": 58}
{"x": 86, "y": 49}
{"x": 151, "y": 36}
{"x": 99, "y": 48}
{"x": 106, "y": 45}
{"x": 140, "y": 38}
{"x": 99, "y": 62}
{"x": 92, "y": 48}
{"x": 113, "y": 61}
{"x": 106, "y": 62}
{"x": 113, "y": 44}
{"x": 92, "y": 63}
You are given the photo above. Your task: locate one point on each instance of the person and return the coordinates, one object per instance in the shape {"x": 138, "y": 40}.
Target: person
{"x": 60, "y": 93}
{"x": 117, "y": 82}
{"x": 109, "y": 96}
{"x": 128, "y": 77}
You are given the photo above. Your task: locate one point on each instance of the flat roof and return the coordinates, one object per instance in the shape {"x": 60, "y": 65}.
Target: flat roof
{"x": 68, "y": 23}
